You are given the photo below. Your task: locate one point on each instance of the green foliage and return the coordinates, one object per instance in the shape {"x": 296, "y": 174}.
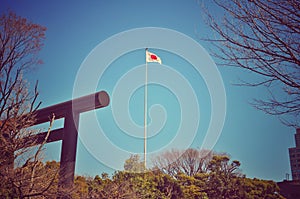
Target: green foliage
{"x": 256, "y": 188}
{"x": 81, "y": 187}
{"x": 133, "y": 164}
{"x": 222, "y": 179}
{"x": 192, "y": 186}
{"x": 150, "y": 184}
{"x": 45, "y": 181}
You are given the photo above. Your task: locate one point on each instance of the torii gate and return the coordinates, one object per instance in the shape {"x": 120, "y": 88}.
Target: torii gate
{"x": 70, "y": 111}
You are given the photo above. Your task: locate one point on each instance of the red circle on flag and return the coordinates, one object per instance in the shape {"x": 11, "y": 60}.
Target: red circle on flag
{"x": 153, "y": 57}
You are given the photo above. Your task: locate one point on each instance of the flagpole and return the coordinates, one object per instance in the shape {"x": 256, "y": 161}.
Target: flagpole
{"x": 145, "y": 113}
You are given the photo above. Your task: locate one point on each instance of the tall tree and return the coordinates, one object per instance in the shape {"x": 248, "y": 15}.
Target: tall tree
{"x": 134, "y": 164}
{"x": 263, "y": 36}
{"x": 188, "y": 162}
{"x": 20, "y": 43}
{"x": 224, "y": 178}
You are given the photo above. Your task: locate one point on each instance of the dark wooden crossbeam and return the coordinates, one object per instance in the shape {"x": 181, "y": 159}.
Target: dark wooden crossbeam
{"x": 79, "y": 105}
{"x": 54, "y": 135}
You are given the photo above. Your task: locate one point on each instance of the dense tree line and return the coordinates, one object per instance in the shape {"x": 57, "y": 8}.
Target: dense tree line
{"x": 221, "y": 179}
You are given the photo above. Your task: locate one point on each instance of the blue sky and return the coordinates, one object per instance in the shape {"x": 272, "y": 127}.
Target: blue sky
{"x": 74, "y": 31}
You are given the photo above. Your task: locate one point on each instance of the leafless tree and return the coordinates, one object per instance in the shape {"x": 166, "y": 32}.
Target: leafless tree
{"x": 262, "y": 36}
{"x": 21, "y": 169}
{"x": 189, "y": 162}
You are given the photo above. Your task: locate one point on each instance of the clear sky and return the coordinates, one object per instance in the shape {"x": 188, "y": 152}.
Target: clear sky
{"x": 100, "y": 45}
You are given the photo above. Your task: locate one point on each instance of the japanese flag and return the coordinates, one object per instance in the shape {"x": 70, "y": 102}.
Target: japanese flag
{"x": 151, "y": 57}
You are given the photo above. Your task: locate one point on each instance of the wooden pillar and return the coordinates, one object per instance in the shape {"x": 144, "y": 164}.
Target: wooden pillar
{"x": 68, "y": 150}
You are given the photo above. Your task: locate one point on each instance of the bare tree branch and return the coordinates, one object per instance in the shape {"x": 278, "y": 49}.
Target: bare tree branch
{"x": 189, "y": 162}
{"x": 262, "y": 36}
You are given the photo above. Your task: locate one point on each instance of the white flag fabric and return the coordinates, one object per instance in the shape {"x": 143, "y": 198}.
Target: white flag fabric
{"x": 151, "y": 57}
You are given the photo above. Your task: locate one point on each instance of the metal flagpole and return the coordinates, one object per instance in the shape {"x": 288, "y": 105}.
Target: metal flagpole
{"x": 145, "y": 112}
